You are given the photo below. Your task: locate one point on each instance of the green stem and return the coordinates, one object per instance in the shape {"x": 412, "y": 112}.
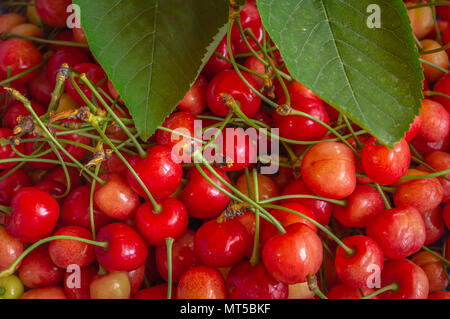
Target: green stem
{"x": 254, "y": 259}
{"x": 435, "y": 174}
{"x": 7, "y": 35}
{"x": 387, "y": 205}
{"x": 275, "y": 199}
{"x": 169, "y": 244}
{"x": 5, "y": 209}
{"x": 440, "y": 257}
{"x": 437, "y": 67}
{"x": 17, "y": 76}
{"x": 394, "y": 286}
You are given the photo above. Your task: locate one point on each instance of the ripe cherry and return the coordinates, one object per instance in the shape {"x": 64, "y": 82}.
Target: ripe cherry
{"x": 213, "y": 200}
{"x": 38, "y": 270}
{"x": 158, "y": 172}
{"x": 11, "y": 184}
{"x": 249, "y": 221}
{"x": 116, "y": 198}
{"x": 434, "y": 225}
{"x": 72, "y": 56}
{"x": 411, "y": 279}
{"x": 290, "y": 257}
{"x": 413, "y": 129}
{"x": 439, "y": 58}
{"x": 400, "y": 231}
{"x": 75, "y": 210}
{"x": 221, "y": 243}
{"x": 9, "y": 21}
{"x": 79, "y": 35}
{"x": 114, "y": 285}
{"x": 21, "y": 55}
{"x": 267, "y": 188}
{"x": 82, "y": 291}
{"x": 136, "y": 278}
{"x": 424, "y": 148}
{"x": 254, "y": 64}
{"x": 422, "y": 20}
{"x": 6, "y": 151}
{"x": 51, "y": 292}
{"x": 201, "y": 282}
{"x": 65, "y": 252}
{"x": 53, "y": 12}
{"x": 229, "y": 82}
{"x": 443, "y": 86}
{"x": 441, "y": 161}
{"x": 250, "y": 19}
{"x": 328, "y": 169}
{"x": 27, "y": 30}
{"x": 16, "y": 109}
{"x": 10, "y": 249}
{"x": 342, "y": 291}
{"x": 57, "y": 175}
{"x": 435, "y": 121}
{"x": 194, "y": 101}
{"x": 383, "y": 165}
{"x": 362, "y": 204}
{"x": 321, "y": 209}
{"x": 183, "y": 257}
{"x": 126, "y": 250}
{"x": 440, "y": 295}
{"x": 357, "y": 270}
{"x": 34, "y": 214}
{"x": 245, "y": 281}
{"x": 155, "y": 227}
{"x": 433, "y": 268}
{"x": 155, "y": 292}
{"x": 40, "y": 88}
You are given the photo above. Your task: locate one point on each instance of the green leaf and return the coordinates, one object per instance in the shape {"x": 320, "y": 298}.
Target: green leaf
{"x": 152, "y": 50}
{"x": 371, "y": 75}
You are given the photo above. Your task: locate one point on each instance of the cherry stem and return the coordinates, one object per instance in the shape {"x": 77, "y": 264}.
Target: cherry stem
{"x": 5, "y": 209}
{"x": 61, "y": 78}
{"x": 7, "y": 35}
{"x": 349, "y": 251}
{"x": 91, "y": 203}
{"x": 437, "y": 67}
{"x": 219, "y": 130}
{"x": 66, "y": 172}
{"x": 11, "y": 269}
{"x": 442, "y": 48}
{"x": 254, "y": 259}
{"x": 435, "y": 174}
{"x": 83, "y": 96}
{"x": 334, "y": 201}
{"x": 169, "y": 244}
{"x": 431, "y": 93}
{"x": 387, "y": 204}
{"x": 312, "y": 286}
{"x": 359, "y": 145}
{"x": 162, "y": 128}
{"x": 436, "y": 26}
{"x": 418, "y": 161}
{"x": 440, "y": 257}
{"x": 393, "y": 286}
{"x": 31, "y": 70}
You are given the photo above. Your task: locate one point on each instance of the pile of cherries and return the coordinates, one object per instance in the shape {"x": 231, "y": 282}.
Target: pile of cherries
{"x": 88, "y": 210}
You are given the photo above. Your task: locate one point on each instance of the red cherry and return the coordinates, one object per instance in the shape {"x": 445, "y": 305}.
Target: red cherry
{"x": 321, "y": 209}
{"x": 432, "y": 266}
{"x": 201, "y": 282}
{"x": 400, "y": 231}
{"x": 194, "y": 101}
{"x": 412, "y": 280}
{"x": 443, "y": 86}
{"x": 434, "y": 225}
{"x": 158, "y": 172}
{"x": 53, "y": 12}
{"x": 38, "y": 270}
{"x": 21, "y": 55}
{"x": 245, "y": 281}
{"x": 441, "y": 161}
{"x": 65, "y": 252}
{"x": 356, "y": 270}
{"x": 248, "y": 221}
{"x": 362, "y": 204}
{"x": 114, "y": 164}
{"x": 328, "y": 169}
{"x": 183, "y": 257}
{"x": 383, "y": 165}
{"x": 17, "y": 109}
{"x": 52, "y": 292}
{"x": 216, "y": 64}
{"x": 11, "y": 184}
{"x": 34, "y": 214}
{"x": 41, "y": 88}
{"x": 171, "y": 221}
{"x": 413, "y": 129}
{"x": 229, "y": 82}
{"x": 290, "y": 257}
{"x": 10, "y": 249}
{"x": 53, "y": 188}
{"x": 126, "y": 250}
{"x": 96, "y": 75}
{"x": 440, "y": 295}
{"x": 75, "y": 210}
{"x": 221, "y": 244}
{"x": 9, "y": 21}
{"x": 434, "y": 122}
{"x": 254, "y": 64}
{"x": 213, "y": 200}
{"x": 446, "y": 215}
{"x": 72, "y": 56}
{"x": 342, "y": 291}
{"x": 250, "y": 19}
{"x": 116, "y": 198}
{"x": 64, "y": 35}
{"x": 136, "y": 278}
{"x": 6, "y": 151}
{"x": 155, "y": 292}
{"x": 82, "y": 291}
{"x": 79, "y": 36}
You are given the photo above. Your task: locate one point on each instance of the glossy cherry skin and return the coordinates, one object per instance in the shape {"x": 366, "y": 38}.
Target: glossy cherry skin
{"x": 171, "y": 221}
{"x": 116, "y": 198}
{"x": 440, "y": 295}
{"x": 399, "y": 231}
{"x": 194, "y": 101}
{"x": 441, "y": 161}
{"x": 411, "y": 278}
{"x": 65, "y": 252}
{"x": 328, "y": 169}
{"x": 321, "y": 209}
{"x": 113, "y": 285}
{"x": 434, "y": 225}
{"x": 158, "y": 172}
{"x": 383, "y": 165}
{"x": 34, "y": 214}
{"x": 421, "y": 19}
{"x": 439, "y": 58}
{"x": 356, "y": 270}
{"x": 248, "y": 220}
{"x": 6, "y": 151}
{"x": 413, "y": 129}
{"x": 40, "y": 88}
{"x": 155, "y": 292}
{"x": 245, "y": 281}
{"x": 201, "y": 282}
{"x": 433, "y": 268}
{"x": 213, "y": 200}
{"x": 51, "y": 292}
{"x": 126, "y": 249}
{"x": 250, "y": 18}
{"x": 82, "y": 292}
{"x": 79, "y": 35}
{"x": 342, "y": 291}
{"x": 424, "y": 194}
{"x": 228, "y": 81}
{"x": 216, "y": 64}
{"x": 267, "y": 188}
{"x": 221, "y": 243}
{"x": 72, "y": 57}
{"x": 57, "y": 175}
{"x": 11, "y": 184}
{"x": 53, "y": 12}
{"x": 362, "y": 204}
{"x": 96, "y": 75}
{"x": 75, "y": 210}
{"x": 136, "y": 278}
{"x": 290, "y": 257}
{"x": 183, "y": 257}
{"x": 435, "y": 121}
{"x": 21, "y": 55}
{"x": 16, "y": 109}
{"x": 38, "y": 270}
{"x": 443, "y": 86}
{"x": 10, "y": 249}
{"x": 424, "y": 148}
